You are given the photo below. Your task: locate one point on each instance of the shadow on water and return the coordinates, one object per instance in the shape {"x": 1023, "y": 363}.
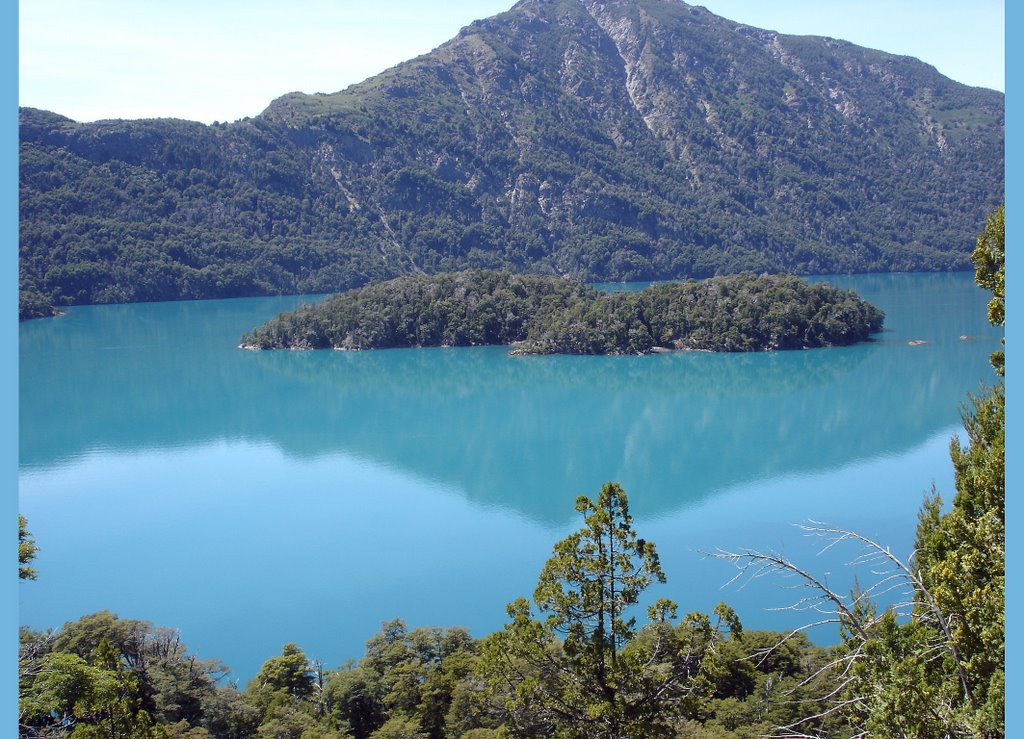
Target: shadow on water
{"x": 523, "y": 433}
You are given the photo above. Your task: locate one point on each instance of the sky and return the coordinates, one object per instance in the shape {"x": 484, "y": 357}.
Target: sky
{"x": 227, "y": 59}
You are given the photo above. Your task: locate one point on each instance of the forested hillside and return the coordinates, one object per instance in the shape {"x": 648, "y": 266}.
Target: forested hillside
{"x": 633, "y": 139}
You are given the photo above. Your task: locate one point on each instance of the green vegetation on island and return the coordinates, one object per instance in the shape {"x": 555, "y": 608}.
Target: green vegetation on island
{"x": 551, "y": 315}
{"x": 32, "y": 304}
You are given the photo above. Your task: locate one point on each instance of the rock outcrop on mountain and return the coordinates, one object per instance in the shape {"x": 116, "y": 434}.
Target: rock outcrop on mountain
{"x": 595, "y": 139}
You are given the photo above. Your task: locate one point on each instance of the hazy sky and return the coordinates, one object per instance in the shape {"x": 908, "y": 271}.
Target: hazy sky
{"x": 222, "y": 60}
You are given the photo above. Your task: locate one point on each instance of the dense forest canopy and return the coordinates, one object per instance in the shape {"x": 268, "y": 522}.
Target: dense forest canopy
{"x": 549, "y": 315}
{"x": 580, "y": 667}
{"x": 636, "y": 140}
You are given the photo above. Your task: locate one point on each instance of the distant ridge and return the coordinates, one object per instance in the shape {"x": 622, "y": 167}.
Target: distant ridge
{"x": 614, "y": 140}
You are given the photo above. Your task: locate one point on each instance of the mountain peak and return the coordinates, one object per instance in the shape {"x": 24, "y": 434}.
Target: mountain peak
{"x": 599, "y": 139}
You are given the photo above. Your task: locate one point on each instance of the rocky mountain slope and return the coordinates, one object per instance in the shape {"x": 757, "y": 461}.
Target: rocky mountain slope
{"x": 596, "y": 139}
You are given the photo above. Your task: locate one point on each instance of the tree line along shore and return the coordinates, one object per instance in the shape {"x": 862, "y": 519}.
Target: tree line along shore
{"x": 549, "y": 315}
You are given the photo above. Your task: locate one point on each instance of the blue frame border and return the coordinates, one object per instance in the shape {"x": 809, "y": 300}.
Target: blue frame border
{"x": 9, "y": 357}
{"x": 9, "y": 361}
{"x": 1014, "y": 505}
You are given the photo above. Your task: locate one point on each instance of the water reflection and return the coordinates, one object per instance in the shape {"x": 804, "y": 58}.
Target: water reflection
{"x": 401, "y": 475}
{"x": 521, "y": 432}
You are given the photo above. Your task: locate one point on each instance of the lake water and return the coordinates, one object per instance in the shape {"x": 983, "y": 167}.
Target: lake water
{"x": 252, "y": 499}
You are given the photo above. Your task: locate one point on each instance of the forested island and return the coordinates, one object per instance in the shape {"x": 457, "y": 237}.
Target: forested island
{"x": 550, "y": 315}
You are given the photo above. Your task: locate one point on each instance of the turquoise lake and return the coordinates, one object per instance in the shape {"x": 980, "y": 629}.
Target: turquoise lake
{"x": 253, "y": 499}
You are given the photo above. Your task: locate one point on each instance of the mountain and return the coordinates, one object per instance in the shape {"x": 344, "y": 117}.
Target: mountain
{"x": 595, "y": 139}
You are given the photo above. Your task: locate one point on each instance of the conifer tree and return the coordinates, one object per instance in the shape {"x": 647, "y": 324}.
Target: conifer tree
{"x": 27, "y": 549}
{"x": 584, "y": 669}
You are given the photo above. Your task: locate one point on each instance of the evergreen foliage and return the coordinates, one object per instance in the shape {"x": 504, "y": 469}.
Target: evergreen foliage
{"x": 27, "y": 549}
{"x": 931, "y": 664}
{"x": 989, "y": 259}
{"x": 602, "y": 678}
{"x": 548, "y": 315}
{"x": 601, "y": 141}
{"x": 407, "y": 684}
{"x": 958, "y": 690}
{"x": 103, "y": 676}
{"x": 942, "y": 672}
{"x": 107, "y": 677}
